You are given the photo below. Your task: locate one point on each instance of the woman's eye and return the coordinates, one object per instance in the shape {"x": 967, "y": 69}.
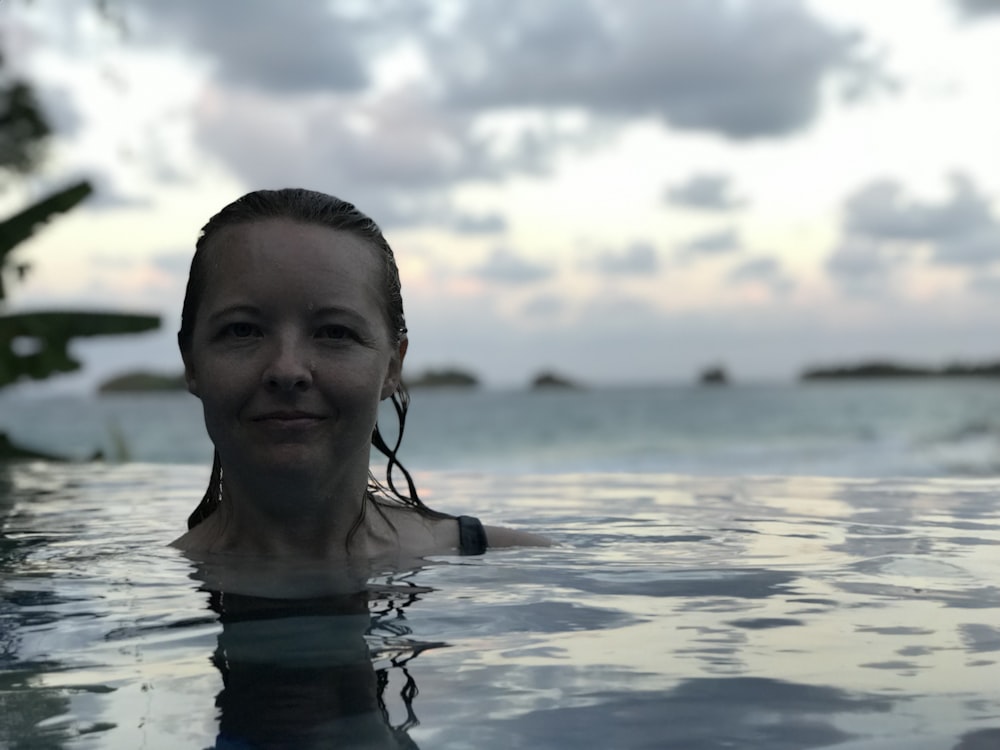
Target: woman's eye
{"x": 241, "y": 330}
{"x": 335, "y": 332}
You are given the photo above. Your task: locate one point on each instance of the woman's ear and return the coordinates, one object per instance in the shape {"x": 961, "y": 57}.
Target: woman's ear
{"x": 394, "y": 373}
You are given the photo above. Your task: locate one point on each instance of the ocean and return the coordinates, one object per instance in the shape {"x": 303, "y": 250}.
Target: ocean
{"x": 752, "y": 567}
{"x": 893, "y": 428}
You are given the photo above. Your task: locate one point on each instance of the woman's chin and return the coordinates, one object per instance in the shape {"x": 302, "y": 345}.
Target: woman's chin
{"x": 284, "y": 461}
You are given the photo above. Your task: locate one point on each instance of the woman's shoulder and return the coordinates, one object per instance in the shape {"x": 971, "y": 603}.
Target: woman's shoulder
{"x": 193, "y": 540}
{"x": 468, "y": 535}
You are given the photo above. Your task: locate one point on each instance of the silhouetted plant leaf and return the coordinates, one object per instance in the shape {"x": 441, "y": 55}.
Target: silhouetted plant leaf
{"x": 23, "y": 128}
{"x": 48, "y": 334}
{"x": 22, "y": 225}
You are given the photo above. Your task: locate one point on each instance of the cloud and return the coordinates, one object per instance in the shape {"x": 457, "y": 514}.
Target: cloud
{"x": 488, "y": 223}
{"x": 638, "y": 259}
{"x": 394, "y": 155}
{"x": 109, "y": 196}
{"x": 395, "y": 140}
{"x": 433, "y": 207}
{"x": 741, "y": 70}
{"x": 987, "y": 285}
{"x": 60, "y": 109}
{"x": 719, "y": 242}
{"x": 505, "y": 267}
{"x": 266, "y": 46}
{"x": 764, "y": 270}
{"x": 544, "y": 306}
{"x": 756, "y": 269}
{"x": 174, "y": 264}
{"x": 978, "y": 9}
{"x": 710, "y": 191}
{"x": 865, "y": 268}
{"x": 857, "y": 260}
{"x": 962, "y": 229}
{"x": 300, "y": 95}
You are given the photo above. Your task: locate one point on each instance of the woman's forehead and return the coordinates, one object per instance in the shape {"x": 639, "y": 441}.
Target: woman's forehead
{"x": 279, "y": 233}
{"x": 278, "y": 255}
{"x": 286, "y": 244}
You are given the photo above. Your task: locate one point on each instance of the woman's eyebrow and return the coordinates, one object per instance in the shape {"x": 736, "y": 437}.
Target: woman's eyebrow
{"x": 338, "y": 310}
{"x": 234, "y": 309}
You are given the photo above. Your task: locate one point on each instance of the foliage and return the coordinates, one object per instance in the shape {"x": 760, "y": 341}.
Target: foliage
{"x": 44, "y": 338}
{"x": 22, "y": 225}
{"x": 23, "y": 129}
{"x": 36, "y": 344}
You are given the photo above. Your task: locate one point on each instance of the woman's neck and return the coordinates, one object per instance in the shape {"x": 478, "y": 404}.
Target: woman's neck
{"x": 289, "y": 516}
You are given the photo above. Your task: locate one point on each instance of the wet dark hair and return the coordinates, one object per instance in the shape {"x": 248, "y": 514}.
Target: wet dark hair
{"x": 309, "y": 207}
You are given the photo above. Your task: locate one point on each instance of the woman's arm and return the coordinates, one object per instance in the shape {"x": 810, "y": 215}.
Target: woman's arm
{"x": 498, "y": 536}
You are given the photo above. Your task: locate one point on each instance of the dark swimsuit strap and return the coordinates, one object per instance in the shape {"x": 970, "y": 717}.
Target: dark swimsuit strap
{"x": 471, "y": 536}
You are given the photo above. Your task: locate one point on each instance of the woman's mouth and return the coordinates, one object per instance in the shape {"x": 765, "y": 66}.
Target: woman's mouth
{"x": 290, "y": 419}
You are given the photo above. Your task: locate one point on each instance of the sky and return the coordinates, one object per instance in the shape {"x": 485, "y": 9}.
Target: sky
{"x": 622, "y": 191}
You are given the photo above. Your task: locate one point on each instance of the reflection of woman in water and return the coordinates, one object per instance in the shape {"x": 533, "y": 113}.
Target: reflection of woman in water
{"x": 299, "y": 673}
{"x": 292, "y": 332}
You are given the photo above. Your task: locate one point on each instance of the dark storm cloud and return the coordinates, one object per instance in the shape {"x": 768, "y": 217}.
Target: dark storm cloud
{"x": 638, "y": 259}
{"x": 962, "y": 229}
{"x": 506, "y": 267}
{"x": 742, "y": 70}
{"x": 719, "y": 242}
{"x": 708, "y": 191}
{"x": 277, "y": 47}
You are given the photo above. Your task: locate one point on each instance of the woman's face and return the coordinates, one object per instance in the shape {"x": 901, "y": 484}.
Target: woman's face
{"x": 291, "y": 351}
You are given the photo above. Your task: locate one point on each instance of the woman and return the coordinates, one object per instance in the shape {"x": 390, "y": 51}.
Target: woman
{"x": 292, "y": 332}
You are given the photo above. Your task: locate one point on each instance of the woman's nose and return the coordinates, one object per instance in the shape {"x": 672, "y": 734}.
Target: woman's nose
{"x": 289, "y": 367}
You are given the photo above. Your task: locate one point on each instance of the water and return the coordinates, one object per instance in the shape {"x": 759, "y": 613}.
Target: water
{"x": 710, "y": 589}
{"x": 920, "y": 428}
{"x": 678, "y": 612}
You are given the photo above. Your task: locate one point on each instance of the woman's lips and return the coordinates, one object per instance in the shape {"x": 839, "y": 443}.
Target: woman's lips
{"x": 287, "y": 415}
{"x": 288, "y": 419}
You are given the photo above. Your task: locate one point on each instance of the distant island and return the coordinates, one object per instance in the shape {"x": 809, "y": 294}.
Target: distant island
{"x": 444, "y": 378}
{"x": 552, "y": 380}
{"x": 713, "y": 376}
{"x": 132, "y": 382}
{"x": 895, "y": 370}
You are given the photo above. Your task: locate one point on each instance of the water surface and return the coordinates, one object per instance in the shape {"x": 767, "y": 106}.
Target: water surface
{"x": 677, "y": 612}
